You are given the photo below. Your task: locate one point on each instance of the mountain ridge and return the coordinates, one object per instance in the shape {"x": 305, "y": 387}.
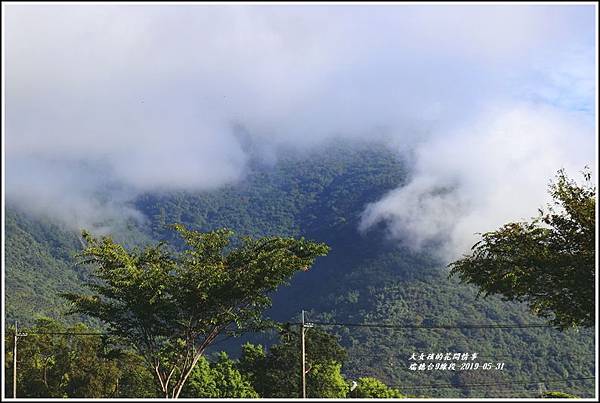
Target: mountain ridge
{"x": 365, "y": 279}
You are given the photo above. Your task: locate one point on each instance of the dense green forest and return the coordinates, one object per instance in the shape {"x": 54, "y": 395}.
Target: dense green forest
{"x": 365, "y": 279}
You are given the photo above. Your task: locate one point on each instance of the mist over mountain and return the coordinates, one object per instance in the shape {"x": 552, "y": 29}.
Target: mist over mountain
{"x": 392, "y": 133}
{"x": 107, "y": 102}
{"x": 366, "y": 278}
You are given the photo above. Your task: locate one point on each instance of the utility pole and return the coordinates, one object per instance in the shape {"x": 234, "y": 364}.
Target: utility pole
{"x": 15, "y": 340}
{"x": 302, "y": 337}
{"x": 305, "y": 327}
{"x": 541, "y": 389}
{"x": 15, "y": 362}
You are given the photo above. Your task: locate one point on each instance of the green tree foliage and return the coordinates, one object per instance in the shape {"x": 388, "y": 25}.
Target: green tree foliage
{"x": 365, "y": 278}
{"x": 558, "y": 395}
{"x": 325, "y": 381}
{"x": 62, "y": 365}
{"x": 38, "y": 265}
{"x": 220, "y": 379}
{"x": 549, "y": 263}
{"x": 277, "y": 373}
{"x": 368, "y": 387}
{"x": 171, "y": 306}
{"x": 202, "y": 382}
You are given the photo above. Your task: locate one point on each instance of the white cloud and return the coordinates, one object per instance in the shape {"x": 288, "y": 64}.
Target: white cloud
{"x": 482, "y": 175}
{"x": 150, "y": 95}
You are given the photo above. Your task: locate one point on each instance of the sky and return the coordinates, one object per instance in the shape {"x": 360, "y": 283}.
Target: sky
{"x": 487, "y": 102}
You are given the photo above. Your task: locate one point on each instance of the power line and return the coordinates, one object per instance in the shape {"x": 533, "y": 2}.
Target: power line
{"x": 464, "y": 326}
{"x": 66, "y": 333}
{"x": 345, "y": 324}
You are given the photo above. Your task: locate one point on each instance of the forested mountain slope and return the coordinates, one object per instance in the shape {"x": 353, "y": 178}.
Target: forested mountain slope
{"x": 39, "y": 264}
{"x": 365, "y": 278}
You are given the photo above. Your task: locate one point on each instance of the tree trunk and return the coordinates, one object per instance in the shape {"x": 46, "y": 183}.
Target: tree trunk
{"x": 164, "y": 386}
{"x": 179, "y": 386}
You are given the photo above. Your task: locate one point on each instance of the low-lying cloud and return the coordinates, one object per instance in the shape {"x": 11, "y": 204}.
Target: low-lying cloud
{"x": 104, "y": 102}
{"x": 500, "y": 172}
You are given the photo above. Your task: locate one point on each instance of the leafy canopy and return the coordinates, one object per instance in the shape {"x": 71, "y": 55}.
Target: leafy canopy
{"x": 171, "y": 306}
{"x": 54, "y": 364}
{"x": 368, "y": 387}
{"x": 277, "y": 373}
{"x": 220, "y": 379}
{"x": 548, "y": 263}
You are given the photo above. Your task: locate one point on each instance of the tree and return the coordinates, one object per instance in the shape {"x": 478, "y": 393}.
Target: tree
{"x": 170, "y": 306}
{"x": 230, "y": 382}
{"x": 558, "y": 395}
{"x": 220, "y": 379}
{"x": 368, "y": 387}
{"x": 276, "y": 373}
{"x": 548, "y": 262}
{"x": 52, "y": 363}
